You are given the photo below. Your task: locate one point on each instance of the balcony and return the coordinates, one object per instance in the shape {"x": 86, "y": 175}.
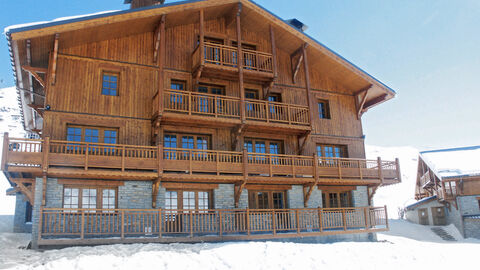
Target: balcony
{"x": 114, "y": 161}
{"x": 219, "y": 109}
{"x": 60, "y": 226}
{"x": 221, "y": 61}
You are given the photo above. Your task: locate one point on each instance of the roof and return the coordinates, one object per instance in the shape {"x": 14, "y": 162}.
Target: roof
{"x": 16, "y": 36}
{"x": 419, "y": 203}
{"x": 453, "y": 162}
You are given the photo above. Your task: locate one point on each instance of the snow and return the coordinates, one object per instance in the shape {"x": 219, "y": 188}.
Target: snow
{"x": 454, "y": 162}
{"x": 10, "y": 121}
{"x": 406, "y": 245}
{"x": 402, "y": 194}
{"x": 61, "y": 19}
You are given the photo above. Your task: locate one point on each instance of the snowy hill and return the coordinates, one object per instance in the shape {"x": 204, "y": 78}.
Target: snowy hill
{"x": 399, "y": 195}
{"x": 10, "y": 121}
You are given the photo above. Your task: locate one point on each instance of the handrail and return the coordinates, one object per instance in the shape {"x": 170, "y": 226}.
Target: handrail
{"x": 55, "y": 223}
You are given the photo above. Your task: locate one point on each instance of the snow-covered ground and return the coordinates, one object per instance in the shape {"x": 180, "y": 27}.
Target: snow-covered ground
{"x": 406, "y": 246}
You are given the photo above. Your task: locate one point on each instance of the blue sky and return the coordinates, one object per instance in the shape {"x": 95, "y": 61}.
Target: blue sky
{"x": 428, "y": 51}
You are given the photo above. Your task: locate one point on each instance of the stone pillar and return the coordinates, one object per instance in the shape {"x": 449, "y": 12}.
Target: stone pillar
{"x": 360, "y": 196}
{"x": 295, "y": 197}
{"x": 19, "y": 224}
{"x": 161, "y": 197}
{"x": 315, "y": 200}
{"x": 36, "y": 211}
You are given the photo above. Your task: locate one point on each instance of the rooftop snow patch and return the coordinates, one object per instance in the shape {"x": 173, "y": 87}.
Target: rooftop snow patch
{"x": 454, "y": 162}
{"x": 61, "y": 19}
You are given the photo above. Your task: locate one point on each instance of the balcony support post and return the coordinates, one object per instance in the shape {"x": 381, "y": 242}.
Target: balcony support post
{"x": 399, "y": 174}
{"x": 54, "y": 59}
{"x": 307, "y": 195}
{"x": 307, "y": 83}
{"x": 240, "y": 64}
{"x": 380, "y": 173}
{"x": 238, "y": 189}
{"x": 45, "y": 151}
{"x": 201, "y": 46}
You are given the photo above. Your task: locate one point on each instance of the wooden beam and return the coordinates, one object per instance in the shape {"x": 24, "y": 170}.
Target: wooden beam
{"x": 156, "y": 42}
{"x": 307, "y": 83}
{"x": 237, "y": 134}
{"x": 25, "y": 191}
{"x": 238, "y": 189}
{"x": 274, "y": 53}
{"x": 161, "y": 64}
{"x": 33, "y": 72}
{"x": 374, "y": 101}
{"x": 296, "y": 68}
{"x": 362, "y": 102}
{"x": 35, "y": 69}
{"x": 38, "y": 108}
{"x": 240, "y": 64}
{"x": 55, "y": 59}
{"x": 267, "y": 90}
{"x": 315, "y": 175}
{"x": 155, "y": 187}
{"x": 301, "y": 146}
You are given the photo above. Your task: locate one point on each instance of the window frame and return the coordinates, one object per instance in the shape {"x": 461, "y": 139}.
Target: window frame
{"x": 325, "y": 113}
{"x": 254, "y": 202}
{"x": 180, "y": 199}
{"x": 343, "y": 150}
{"x": 101, "y": 133}
{"x": 328, "y": 196}
{"x": 110, "y": 73}
{"x": 99, "y": 197}
{"x": 267, "y": 142}
{"x": 179, "y": 82}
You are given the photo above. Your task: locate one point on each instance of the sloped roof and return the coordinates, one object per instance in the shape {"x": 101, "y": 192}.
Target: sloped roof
{"x": 453, "y": 162}
{"x": 421, "y": 202}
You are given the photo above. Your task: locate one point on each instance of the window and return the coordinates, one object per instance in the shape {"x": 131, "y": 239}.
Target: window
{"x": 207, "y": 104}
{"x": 275, "y": 97}
{"x": 262, "y": 146}
{"x": 89, "y": 197}
{"x": 92, "y": 134}
{"x": 251, "y": 93}
{"x": 336, "y": 199}
{"x": 177, "y": 85}
{"x": 323, "y": 109}
{"x": 332, "y": 151}
{"x": 28, "y": 212}
{"x": 266, "y": 199}
{"x": 188, "y": 199}
{"x": 186, "y": 141}
{"x": 213, "y": 53}
{"x": 110, "y": 84}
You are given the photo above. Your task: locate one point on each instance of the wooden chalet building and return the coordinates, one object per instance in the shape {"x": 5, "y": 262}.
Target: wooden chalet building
{"x": 448, "y": 190}
{"x": 191, "y": 121}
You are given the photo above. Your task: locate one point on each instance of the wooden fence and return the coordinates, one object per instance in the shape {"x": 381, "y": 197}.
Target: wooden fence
{"x": 237, "y": 223}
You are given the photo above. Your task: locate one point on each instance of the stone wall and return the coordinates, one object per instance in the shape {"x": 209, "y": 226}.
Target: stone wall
{"x": 135, "y": 195}
{"x": 19, "y": 223}
{"x": 472, "y": 227}
{"x": 469, "y": 205}
{"x": 360, "y": 196}
{"x": 295, "y": 197}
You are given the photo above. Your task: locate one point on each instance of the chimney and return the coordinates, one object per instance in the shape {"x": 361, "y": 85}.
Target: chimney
{"x": 297, "y": 24}
{"x": 143, "y": 3}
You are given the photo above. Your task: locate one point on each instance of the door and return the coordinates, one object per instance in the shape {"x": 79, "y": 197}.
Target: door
{"x": 423, "y": 216}
{"x": 438, "y": 214}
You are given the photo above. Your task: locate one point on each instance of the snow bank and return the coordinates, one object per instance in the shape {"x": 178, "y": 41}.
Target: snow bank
{"x": 398, "y": 249}
{"x": 399, "y": 195}
{"x": 16, "y": 26}
{"x": 10, "y": 121}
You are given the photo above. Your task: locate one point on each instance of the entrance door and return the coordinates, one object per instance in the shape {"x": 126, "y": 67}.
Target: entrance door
{"x": 438, "y": 214}
{"x": 423, "y": 216}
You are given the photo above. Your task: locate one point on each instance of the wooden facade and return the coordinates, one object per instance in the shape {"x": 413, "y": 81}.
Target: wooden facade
{"x": 214, "y": 78}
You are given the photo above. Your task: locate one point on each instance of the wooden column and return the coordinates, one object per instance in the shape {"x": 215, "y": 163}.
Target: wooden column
{"x": 380, "y": 173}
{"x": 201, "y": 32}
{"x": 307, "y": 84}
{"x": 240, "y": 64}
{"x": 399, "y": 173}
{"x": 55, "y": 58}
{"x": 274, "y": 52}
{"x": 161, "y": 64}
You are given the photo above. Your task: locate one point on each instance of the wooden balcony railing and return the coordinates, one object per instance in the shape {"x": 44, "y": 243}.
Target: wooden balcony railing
{"x": 226, "y": 56}
{"x": 229, "y": 107}
{"x": 31, "y": 154}
{"x": 167, "y": 225}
